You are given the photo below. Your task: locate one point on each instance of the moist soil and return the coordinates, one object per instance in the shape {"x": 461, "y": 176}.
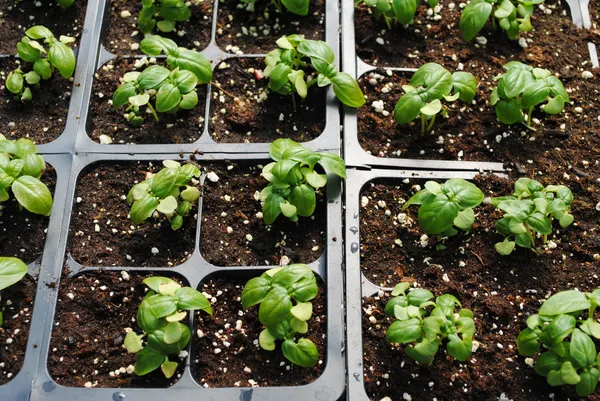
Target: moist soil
{"x": 16, "y": 18}
{"x": 103, "y": 235}
{"x": 121, "y": 32}
{"x": 245, "y": 110}
{"x": 16, "y": 306}
{"x": 240, "y": 30}
{"x": 501, "y": 291}
{"x": 22, "y": 233}
{"x": 43, "y": 118}
{"x": 89, "y": 330}
{"x": 241, "y": 362}
{"x": 184, "y": 127}
{"x": 250, "y": 242}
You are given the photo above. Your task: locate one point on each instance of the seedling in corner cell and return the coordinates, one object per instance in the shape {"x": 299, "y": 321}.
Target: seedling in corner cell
{"x": 166, "y": 192}
{"x": 445, "y": 206}
{"x": 394, "y": 12}
{"x": 289, "y": 73}
{"x": 20, "y": 171}
{"x": 162, "y": 14}
{"x": 159, "y": 316}
{"x": 12, "y": 271}
{"x": 284, "y": 295}
{"x": 425, "y": 329}
{"x": 531, "y": 211}
{"x": 429, "y": 85}
{"x": 298, "y": 7}
{"x": 43, "y": 59}
{"x": 521, "y": 88}
{"x": 293, "y": 181}
{"x": 563, "y": 334}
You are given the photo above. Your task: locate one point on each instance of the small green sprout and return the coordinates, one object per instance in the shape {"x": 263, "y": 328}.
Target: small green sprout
{"x": 12, "y": 271}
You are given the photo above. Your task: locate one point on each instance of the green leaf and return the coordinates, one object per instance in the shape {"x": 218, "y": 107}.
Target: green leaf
{"x": 302, "y": 311}
{"x": 432, "y": 108}
{"x": 568, "y": 374}
{"x": 517, "y": 209}
{"x": 143, "y": 208}
{"x": 462, "y": 192}
{"x": 423, "y": 352}
{"x": 190, "y": 194}
{"x": 288, "y": 210}
{"x": 474, "y": 17}
{"x": 139, "y": 100}
{"x": 404, "y": 10}
{"x": 12, "y": 271}
{"x": 162, "y": 305}
{"x": 176, "y": 317}
{"x": 316, "y": 49}
{"x": 123, "y": 93}
{"x": 167, "y": 98}
{"x": 255, "y": 291}
{"x": 304, "y": 198}
{"x": 33, "y": 195}
{"x": 505, "y": 9}
{"x": 185, "y": 81}
{"x": 190, "y": 299}
{"x": 39, "y": 32}
{"x": 419, "y": 296}
{"x": 172, "y": 333}
{"x": 271, "y": 209}
{"x": 505, "y": 247}
{"x": 437, "y": 215}
{"x": 275, "y": 307}
{"x": 304, "y": 290}
{"x": 346, "y": 89}
{"x": 167, "y": 206}
{"x": 547, "y": 362}
{"x": 165, "y": 25}
{"x": 189, "y": 100}
{"x": 404, "y": 331}
{"x": 465, "y": 219}
{"x": 28, "y": 52}
{"x": 459, "y": 349}
{"x": 168, "y": 368}
{"x": 14, "y": 82}
{"x": 516, "y": 80}
{"x": 152, "y": 77}
{"x": 164, "y": 181}
{"x": 279, "y": 146}
{"x": 154, "y": 45}
{"x": 535, "y": 93}
{"x": 582, "y": 350}
{"x": 162, "y": 285}
{"x": 558, "y": 329}
{"x": 588, "y": 383}
{"x": 540, "y": 223}
{"x": 465, "y": 85}
{"x": 565, "y": 302}
{"x": 432, "y": 327}
{"x": 147, "y": 360}
{"x": 528, "y": 342}
{"x": 193, "y": 61}
{"x": 62, "y": 57}
{"x": 408, "y": 107}
{"x": 146, "y": 319}
{"x": 266, "y": 340}
{"x": 133, "y": 342}
{"x": 315, "y": 179}
{"x": 304, "y": 353}
{"x": 555, "y": 105}
{"x": 333, "y": 164}
{"x": 435, "y": 78}
{"x": 32, "y": 78}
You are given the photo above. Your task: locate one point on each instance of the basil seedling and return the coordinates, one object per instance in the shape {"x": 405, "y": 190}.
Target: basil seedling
{"x": 20, "y": 171}
{"x": 293, "y": 180}
{"x": 65, "y": 3}
{"x": 426, "y": 330}
{"x": 523, "y": 87}
{"x": 446, "y": 206}
{"x": 169, "y": 11}
{"x": 298, "y": 7}
{"x": 394, "y": 11}
{"x": 428, "y": 86}
{"x": 564, "y": 335}
{"x": 275, "y": 290}
{"x": 530, "y": 211}
{"x": 286, "y": 70}
{"x": 162, "y": 193}
{"x": 159, "y": 316}
{"x": 12, "y": 271}
{"x": 44, "y": 59}
{"x": 512, "y": 16}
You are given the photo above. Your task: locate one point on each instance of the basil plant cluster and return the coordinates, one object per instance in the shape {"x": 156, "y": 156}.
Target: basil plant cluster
{"x": 20, "y": 171}
{"x": 429, "y": 85}
{"x": 56, "y": 55}
{"x": 162, "y": 14}
{"x": 166, "y": 192}
{"x": 425, "y": 330}
{"x": 293, "y": 181}
{"x": 446, "y": 206}
{"x": 12, "y": 271}
{"x": 287, "y": 70}
{"x": 170, "y": 89}
{"x": 531, "y": 211}
{"x": 564, "y": 335}
{"x": 521, "y": 88}
{"x": 284, "y": 295}
{"x": 512, "y": 16}
{"x": 394, "y": 11}
{"x": 159, "y": 316}
{"x": 298, "y": 7}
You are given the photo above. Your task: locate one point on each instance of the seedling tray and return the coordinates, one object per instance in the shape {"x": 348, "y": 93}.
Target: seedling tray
{"x": 36, "y": 383}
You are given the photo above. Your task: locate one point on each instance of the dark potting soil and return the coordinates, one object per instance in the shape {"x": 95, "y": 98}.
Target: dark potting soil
{"x": 184, "y": 127}
{"x": 231, "y": 203}
{"x": 17, "y": 18}
{"x": 259, "y": 115}
{"x": 501, "y": 291}
{"x": 22, "y": 233}
{"x": 94, "y": 309}
{"x": 119, "y": 34}
{"x": 103, "y": 235}
{"x": 228, "y": 356}
{"x": 16, "y": 306}
{"x": 41, "y": 119}
{"x": 255, "y": 32}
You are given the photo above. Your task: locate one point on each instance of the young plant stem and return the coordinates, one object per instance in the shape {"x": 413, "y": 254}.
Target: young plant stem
{"x": 387, "y": 21}
{"x": 294, "y": 101}
{"x": 153, "y": 111}
{"x": 277, "y": 4}
{"x": 529, "y": 113}
{"x": 531, "y": 236}
{"x": 430, "y": 125}
{"x": 423, "y": 124}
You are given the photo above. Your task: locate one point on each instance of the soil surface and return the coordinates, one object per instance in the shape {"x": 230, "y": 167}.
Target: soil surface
{"x": 250, "y": 243}
{"x": 241, "y": 362}
{"x": 121, "y": 33}
{"x": 16, "y": 18}
{"x": 43, "y": 118}
{"x": 94, "y": 309}
{"x": 243, "y": 31}
{"x": 103, "y": 235}
{"x": 16, "y": 306}
{"x": 184, "y": 127}
{"x": 260, "y": 115}
{"x": 501, "y": 291}
{"x": 22, "y": 233}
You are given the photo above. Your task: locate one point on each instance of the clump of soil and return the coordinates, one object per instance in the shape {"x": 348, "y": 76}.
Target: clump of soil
{"x": 227, "y": 352}
{"x": 16, "y": 306}
{"x": 22, "y": 233}
{"x": 102, "y": 233}
{"x": 43, "y": 118}
{"x": 185, "y": 126}
{"x": 246, "y": 110}
{"x": 231, "y": 203}
{"x": 17, "y": 17}
{"x": 240, "y": 30}
{"x": 94, "y": 309}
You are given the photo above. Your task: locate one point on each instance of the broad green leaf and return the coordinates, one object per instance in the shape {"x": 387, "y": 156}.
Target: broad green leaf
{"x": 176, "y": 317}
{"x": 162, "y": 305}
{"x": 275, "y": 307}
{"x": 346, "y": 89}
{"x": 255, "y": 291}
{"x": 139, "y": 100}
{"x": 462, "y": 192}
{"x": 154, "y": 45}
{"x": 271, "y": 209}
{"x": 528, "y": 342}
{"x": 432, "y": 108}
{"x": 39, "y": 32}
{"x": 287, "y": 209}
{"x": 435, "y": 78}
{"x": 509, "y": 111}
{"x": 299, "y": 326}
{"x": 316, "y": 49}
{"x": 419, "y": 296}
{"x": 14, "y": 82}
{"x": 123, "y": 93}
{"x": 266, "y": 340}
{"x": 333, "y": 164}
{"x": 304, "y": 198}
{"x": 62, "y": 57}
{"x": 190, "y": 299}
{"x": 172, "y": 333}
{"x": 474, "y": 17}
{"x": 133, "y": 342}
{"x": 540, "y": 223}
{"x": 505, "y": 247}
{"x": 167, "y": 98}
{"x": 404, "y": 10}
{"x": 193, "y": 61}
{"x": 582, "y": 350}
{"x": 164, "y": 181}
{"x": 437, "y": 215}
{"x": 547, "y": 362}
{"x": 147, "y": 360}
{"x": 315, "y": 179}
{"x": 535, "y": 93}
{"x": 162, "y": 285}
{"x": 279, "y": 146}
{"x": 152, "y": 77}
{"x": 33, "y": 195}
{"x": 423, "y": 352}
{"x": 168, "y": 368}
{"x": 304, "y": 353}
{"x": 588, "y": 383}
{"x": 185, "y": 81}
{"x": 12, "y": 271}
{"x": 189, "y": 100}
{"x": 143, "y": 208}
{"x": 568, "y": 374}
{"x": 465, "y": 85}
{"x": 465, "y": 219}
{"x": 404, "y": 331}
{"x": 302, "y": 311}
{"x": 167, "y": 206}
{"x": 459, "y": 349}
{"x": 555, "y": 105}
{"x": 565, "y": 302}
